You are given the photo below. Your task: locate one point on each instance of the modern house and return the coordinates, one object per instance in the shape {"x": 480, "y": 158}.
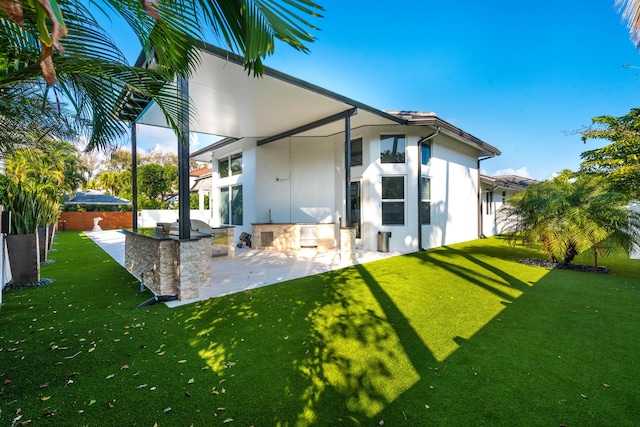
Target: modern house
{"x": 301, "y": 166}
{"x": 494, "y": 191}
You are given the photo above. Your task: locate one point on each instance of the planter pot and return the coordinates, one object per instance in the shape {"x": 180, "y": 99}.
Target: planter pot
{"x": 43, "y": 239}
{"x": 24, "y": 258}
{"x": 52, "y": 233}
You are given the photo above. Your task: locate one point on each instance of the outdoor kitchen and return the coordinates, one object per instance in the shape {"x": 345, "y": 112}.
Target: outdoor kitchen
{"x": 174, "y": 268}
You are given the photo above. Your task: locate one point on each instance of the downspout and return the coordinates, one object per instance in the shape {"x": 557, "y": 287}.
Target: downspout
{"x": 480, "y": 224}
{"x": 420, "y": 142}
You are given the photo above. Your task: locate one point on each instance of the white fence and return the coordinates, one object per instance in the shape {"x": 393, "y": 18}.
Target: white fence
{"x": 635, "y": 254}
{"x": 150, "y": 218}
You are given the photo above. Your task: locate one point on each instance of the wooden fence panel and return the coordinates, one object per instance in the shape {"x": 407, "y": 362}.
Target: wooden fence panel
{"x": 84, "y": 220}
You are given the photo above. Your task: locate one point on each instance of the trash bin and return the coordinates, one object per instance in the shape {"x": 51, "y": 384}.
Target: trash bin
{"x": 383, "y": 241}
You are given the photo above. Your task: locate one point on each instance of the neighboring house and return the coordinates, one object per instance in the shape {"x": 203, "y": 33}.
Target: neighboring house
{"x": 202, "y": 185}
{"x": 494, "y": 191}
{"x": 199, "y": 183}
{"x": 196, "y": 175}
{"x": 300, "y": 164}
{"x": 95, "y": 199}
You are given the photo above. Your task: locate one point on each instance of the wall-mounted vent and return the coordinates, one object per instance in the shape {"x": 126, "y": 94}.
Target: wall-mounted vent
{"x": 266, "y": 239}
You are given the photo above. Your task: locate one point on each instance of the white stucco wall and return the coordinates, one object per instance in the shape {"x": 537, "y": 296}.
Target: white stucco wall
{"x": 491, "y": 224}
{"x": 312, "y": 185}
{"x": 454, "y": 193}
{"x": 296, "y": 181}
{"x": 403, "y": 237}
{"x": 453, "y": 172}
{"x": 301, "y": 179}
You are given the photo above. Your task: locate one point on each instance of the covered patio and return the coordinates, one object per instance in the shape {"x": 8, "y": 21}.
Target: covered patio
{"x": 249, "y": 269}
{"x": 226, "y": 102}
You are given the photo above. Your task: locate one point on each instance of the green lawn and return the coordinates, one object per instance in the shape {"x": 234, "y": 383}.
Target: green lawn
{"x": 462, "y": 335}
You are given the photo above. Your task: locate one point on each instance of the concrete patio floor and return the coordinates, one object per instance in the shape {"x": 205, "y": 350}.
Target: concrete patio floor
{"x": 250, "y": 268}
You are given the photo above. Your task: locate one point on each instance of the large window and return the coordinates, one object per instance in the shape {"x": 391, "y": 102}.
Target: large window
{"x": 231, "y": 205}
{"x": 355, "y": 206}
{"x": 425, "y": 201}
{"x": 393, "y": 200}
{"x": 392, "y": 148}
{"x": 230, "y": 165}
{"x": 425, "y": 153}
{"x": 356, "y": 152}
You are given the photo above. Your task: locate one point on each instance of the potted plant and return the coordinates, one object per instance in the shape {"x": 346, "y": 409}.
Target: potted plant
{"x": 30, "y": 208}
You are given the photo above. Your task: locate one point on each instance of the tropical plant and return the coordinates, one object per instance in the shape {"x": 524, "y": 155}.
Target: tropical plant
{"x": 569, "y": 215}
{"x": 25, "y": 120}
{"x": 91, "y": 76}
{"x": 91, "y": 72}
{"x": 30, "y": 207}
{"x": 111, "y": 181}
{"x": 52, "y": 166}
{"x": 618, "y": 161}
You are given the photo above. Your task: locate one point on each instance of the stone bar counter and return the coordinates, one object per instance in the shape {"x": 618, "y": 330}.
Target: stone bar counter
{"x": 284, "y": 236}
{"x": 167, "y": 265}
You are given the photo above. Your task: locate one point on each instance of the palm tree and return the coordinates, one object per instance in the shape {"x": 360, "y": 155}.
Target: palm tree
{"x": 53, "y": 166}
{"x": 571, "y": 214}
{"x": 91, "y": 72}
{"x": 109, "y": 181}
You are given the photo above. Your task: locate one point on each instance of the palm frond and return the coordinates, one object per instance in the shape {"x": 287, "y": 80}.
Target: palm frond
{"x": 630, "y": 10}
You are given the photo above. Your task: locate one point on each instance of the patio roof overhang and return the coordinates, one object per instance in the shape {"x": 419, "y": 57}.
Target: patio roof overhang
{"x": 230, "y": 103}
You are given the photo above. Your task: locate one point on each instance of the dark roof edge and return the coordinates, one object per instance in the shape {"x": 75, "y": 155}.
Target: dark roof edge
{"x": 433, "y": 120}
{"x": 98, "y": 203}
{"x": 218, "y": 144}
{"x": 508, "y": 181}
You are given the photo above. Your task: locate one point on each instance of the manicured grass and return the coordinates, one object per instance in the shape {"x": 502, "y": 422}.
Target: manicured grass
{"x": 462, "y": 335}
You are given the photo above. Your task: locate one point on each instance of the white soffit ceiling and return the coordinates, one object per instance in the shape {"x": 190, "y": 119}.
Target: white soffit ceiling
{"x": 229, "y": 102}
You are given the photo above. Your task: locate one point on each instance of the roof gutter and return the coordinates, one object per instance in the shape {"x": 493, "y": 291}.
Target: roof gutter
{"x": 420, "y": 143}
{"x": 457, "y": 132}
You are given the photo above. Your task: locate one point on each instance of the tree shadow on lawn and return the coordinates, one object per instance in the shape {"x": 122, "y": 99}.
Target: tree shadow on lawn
{"x": 348, "y": 346}
{"x": 323, "y": 352}
{"x": 558, "y": 355}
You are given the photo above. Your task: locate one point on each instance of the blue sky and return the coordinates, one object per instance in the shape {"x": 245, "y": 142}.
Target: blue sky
{"x": 523, "y": 76}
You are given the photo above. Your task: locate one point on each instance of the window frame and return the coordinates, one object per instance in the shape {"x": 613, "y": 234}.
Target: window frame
{"x": 361, "y": 152}
{"x": 227, "y": 206}
{"x": 425, "y": 145}
{"x": 425, "y": 215}
{"x": 230, "y": 160}
{"x": 393, "y": 201}
{"x": 384, "y": 159}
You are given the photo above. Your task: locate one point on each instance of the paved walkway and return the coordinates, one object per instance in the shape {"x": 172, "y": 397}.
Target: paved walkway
{"x": 250, "y": 268}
